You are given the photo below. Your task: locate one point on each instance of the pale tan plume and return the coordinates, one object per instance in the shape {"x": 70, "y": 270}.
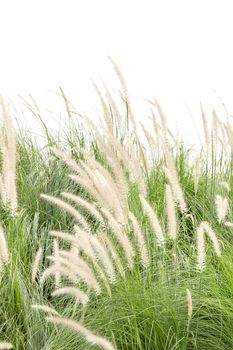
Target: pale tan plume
{"x": 86, "y": 333}
{"x": 45, "y": 308}
{"x": 84, "y": 203}
{"x": 106, "y": 188}
{"x": 201, "y": 255}
{"x": 82, "y": 265}
{"x": 78, "y": 266}
{"x": 171, "y": 173}
{"x": 143, "y": 156}
{"x": 4, "y": 253}
{"x": 67, "y": 159}
{"x": 213, "y": 237}
{"x": 225, "y": 185}
{"x": 68, "y": 208}
{"x": 141, "y": 240}
{"x": 100, "y": 184}
{"x": 110, "y": 246}
{"x": 121, "y": 237}
{"x": 103, "y": 257}
{"x": 153, "y": 220}
{"x": 87, "y": 185}
{"x": 126, "y": 154}
{"x": 36, "y": 264}
{"x": 190, "y": 303}
{"x": 114, "y": 110}
{"x": 72, "y": 291}
{"x": 105, "y": 109}
{"x": 228, "y": 224}
{"x": 82, "y": 240}
{"x": 79, "y": 261}
{"x": 104, "y": 175}
{"x": 110, "y": 197}
{"x": 222, "y": 207}
{"x": 87, "y": 276}
{"x": 118, "y": 172}
{"x": 153, "y": 145}
{"x": 163, "y": 118}
{"x": 5, "y": 346}
{"x": 120, "y": 180}
{"x": 176, "y": 189}
{"x": 203, "y": 228}
{"x": 171, "y": 213}
{"x": 125, "y": 95}
{"x": 64, "y": 271}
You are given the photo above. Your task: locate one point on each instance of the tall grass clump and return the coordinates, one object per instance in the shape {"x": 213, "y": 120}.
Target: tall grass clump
{"x": 123, "y": 236}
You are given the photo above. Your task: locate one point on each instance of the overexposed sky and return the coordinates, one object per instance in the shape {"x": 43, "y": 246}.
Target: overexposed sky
{"x": 179, "y": 51}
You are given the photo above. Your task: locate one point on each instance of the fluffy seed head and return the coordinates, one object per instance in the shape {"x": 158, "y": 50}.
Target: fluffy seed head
{"x": 213, "y": 237}
{"x": 203, "y": 228}
{"x": 190, "y": 303}
{"x": 86, "y": 333}
{"x": 45, "y": 308}
{"x": 200, "y": 249}
{"x": 141, "y": 240}
{"x": 171, "y": 213}
{"x": 153, "y": 220}
{"x": 225, "y": 185}
{"x": 4, "y": 254}
{"x": 228, "y": 224}
{"x": 5, "y": 346}
{"x": 222, "y": 207}
{"x": 36, "y": 264}
{"x": 72, "y": 291}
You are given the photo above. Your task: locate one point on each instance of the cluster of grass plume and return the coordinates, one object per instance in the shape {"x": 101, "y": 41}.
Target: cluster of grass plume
{"x": 114, "y": 240}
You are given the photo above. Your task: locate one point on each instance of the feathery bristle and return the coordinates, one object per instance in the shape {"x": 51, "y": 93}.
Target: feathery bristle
{"x": 201, "y": 255}
{"x": 86, "y": 333}
{"x": 222, "y": 207}
{"x": 153, "y": 220}
{"x": 36, "y": 264}
{"x": 72, "y": 291}
{"x": 141, "y": 240}
{"x": 5, "y": 346}
{"x": 45, "y": 308}
{"x": 68, "y": 208}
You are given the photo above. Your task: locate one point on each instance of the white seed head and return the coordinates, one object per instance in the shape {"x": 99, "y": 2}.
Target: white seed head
{"x": 86, "y": 333}
{"x": 190, "y": 303}
{"x": 5, "y": 346}
{"x": 222, "y": 207}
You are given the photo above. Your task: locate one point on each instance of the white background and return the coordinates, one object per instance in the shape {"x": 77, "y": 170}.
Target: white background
{"x": 179, "y": 51}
